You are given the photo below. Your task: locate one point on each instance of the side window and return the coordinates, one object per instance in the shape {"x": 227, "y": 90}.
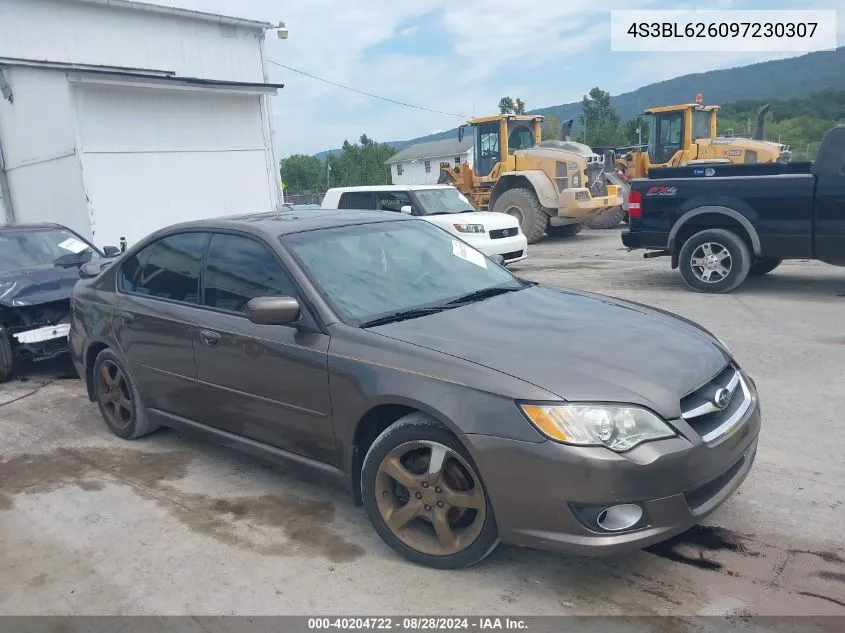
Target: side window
{"x": 238, "y": 269}
{"x": 428, "y": 166}
{"x": 393, "y": 200}
{"x": 356, "y": 200}
{"x": 399, "y": 169}
{"x": 167, "y": 269}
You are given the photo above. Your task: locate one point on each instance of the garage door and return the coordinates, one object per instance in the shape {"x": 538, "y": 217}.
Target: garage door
{"x": 152, "y": 157}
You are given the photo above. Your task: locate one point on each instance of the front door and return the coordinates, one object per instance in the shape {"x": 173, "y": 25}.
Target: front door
{"x": 486, "y": 147}
{"x": 159, "y": 298}
{"x": 264, "y": 382}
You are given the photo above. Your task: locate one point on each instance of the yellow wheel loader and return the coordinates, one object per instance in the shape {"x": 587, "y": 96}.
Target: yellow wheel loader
{"x": 551, "y": 187}
{"x": 686, "y": 135}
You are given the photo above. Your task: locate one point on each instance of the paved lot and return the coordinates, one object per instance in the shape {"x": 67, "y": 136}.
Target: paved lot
{"x": 171, "y": 525}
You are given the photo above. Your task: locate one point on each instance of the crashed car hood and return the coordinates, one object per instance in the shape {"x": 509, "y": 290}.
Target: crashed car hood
{"x": 576, "y": 346}
{"x": 37, "y": 285}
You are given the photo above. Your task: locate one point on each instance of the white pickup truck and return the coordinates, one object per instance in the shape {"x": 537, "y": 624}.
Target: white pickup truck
{"x": 443, "y": 205}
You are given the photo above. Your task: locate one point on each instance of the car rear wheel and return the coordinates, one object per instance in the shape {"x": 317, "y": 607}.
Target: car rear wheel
{"x": 424, "y": 496}
{"x": 118, "y": 397}
{"x": 7, "y": 357}
{"x": 763, "y": 265}
{"x": 715, "y": 260}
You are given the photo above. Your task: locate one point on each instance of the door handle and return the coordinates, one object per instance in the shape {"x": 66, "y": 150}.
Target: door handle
{"x": 126, "y": 318}
{"x": 209, "y": 338}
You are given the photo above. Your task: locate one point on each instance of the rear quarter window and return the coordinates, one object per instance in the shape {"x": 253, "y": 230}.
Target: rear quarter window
{"x": 356, "y": 200}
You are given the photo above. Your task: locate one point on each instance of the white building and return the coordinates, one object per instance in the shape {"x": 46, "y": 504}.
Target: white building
{"x": 419, "y": 164}
{"x": 118, "y": 118}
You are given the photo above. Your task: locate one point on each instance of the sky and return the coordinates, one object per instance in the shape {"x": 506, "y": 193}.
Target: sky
{"x": 458, "y": 57}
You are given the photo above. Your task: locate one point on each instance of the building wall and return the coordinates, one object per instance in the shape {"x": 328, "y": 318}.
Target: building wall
{"x": 122, "y": 160}
{"x": 414, "y": 173}
{"x": 81, "y": 33}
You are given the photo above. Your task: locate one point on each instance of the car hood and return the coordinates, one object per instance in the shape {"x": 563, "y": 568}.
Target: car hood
{"x": 577, "y": 346}
{"x": 37, "y": 285}
{"x": 490, "y": 219}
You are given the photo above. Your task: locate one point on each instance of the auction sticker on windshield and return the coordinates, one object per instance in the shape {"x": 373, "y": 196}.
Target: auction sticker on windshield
{"x": 469, "y": 254}
{"x": 73, "y": 245}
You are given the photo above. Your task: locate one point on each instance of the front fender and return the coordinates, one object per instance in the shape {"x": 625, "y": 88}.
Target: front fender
{"x": 540, "y": 182}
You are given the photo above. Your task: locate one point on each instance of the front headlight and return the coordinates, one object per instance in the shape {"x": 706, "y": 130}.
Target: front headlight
{"x": 619, "y": 428}
{"x": 469, "y": 228}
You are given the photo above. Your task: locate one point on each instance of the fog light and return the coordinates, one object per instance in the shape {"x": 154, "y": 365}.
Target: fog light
{"x": 621, "y": 517}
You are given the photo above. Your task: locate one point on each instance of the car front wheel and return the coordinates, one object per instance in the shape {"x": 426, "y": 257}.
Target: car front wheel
{"x": 714, "y": 260}
{"x": 424, "y": 496}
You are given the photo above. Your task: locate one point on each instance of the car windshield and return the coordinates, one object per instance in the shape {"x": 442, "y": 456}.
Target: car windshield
{"x": 442, "y": 201}
{"x": 42, "y": 248}
{"x": 369, "y": 271}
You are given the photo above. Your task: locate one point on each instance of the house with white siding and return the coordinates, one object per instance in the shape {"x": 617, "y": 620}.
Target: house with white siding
{"x": 419, "y": 164}
{"x": 118, "y": 118}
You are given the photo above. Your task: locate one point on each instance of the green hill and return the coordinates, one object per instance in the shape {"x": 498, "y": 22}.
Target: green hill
{"x": 783, "y": 79}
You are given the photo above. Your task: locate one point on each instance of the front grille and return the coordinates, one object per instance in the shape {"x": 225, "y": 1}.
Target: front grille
{"x": 498, "y": 234}
{"x": 512, "y": 255}
{"x": 710, "y": 420}
{"x": 596, "y": 182}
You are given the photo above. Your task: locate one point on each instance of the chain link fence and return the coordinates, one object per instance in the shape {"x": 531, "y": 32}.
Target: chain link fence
{"x": 304, "y": 197}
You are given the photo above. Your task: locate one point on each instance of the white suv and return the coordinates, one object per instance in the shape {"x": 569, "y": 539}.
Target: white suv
{"x": 443, "y": 205}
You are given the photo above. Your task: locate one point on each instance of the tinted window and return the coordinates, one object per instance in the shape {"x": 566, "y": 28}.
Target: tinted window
{"x": 239, "y": 269}
{"x": 168, "y": 268}
{"x": 393, "y": 200}
{"x": 356, "y": 200}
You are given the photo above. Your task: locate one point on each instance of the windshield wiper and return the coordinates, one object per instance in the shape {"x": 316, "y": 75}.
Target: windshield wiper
{"x": 404, "y": 314}
{"x": 484, "y": 293}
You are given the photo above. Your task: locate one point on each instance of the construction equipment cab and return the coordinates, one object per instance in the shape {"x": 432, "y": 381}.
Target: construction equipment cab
{"x": 550, "y": 186}
{"x": 687, "y": 134}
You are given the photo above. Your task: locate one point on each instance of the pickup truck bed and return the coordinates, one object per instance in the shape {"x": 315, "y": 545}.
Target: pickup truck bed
{"x": 721, "y": 222}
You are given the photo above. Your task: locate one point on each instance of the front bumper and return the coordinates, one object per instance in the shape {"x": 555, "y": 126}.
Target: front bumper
{"x": 513, "y": 249}
{"x": 581, "y": 205}
{"x": 535, "y": 488}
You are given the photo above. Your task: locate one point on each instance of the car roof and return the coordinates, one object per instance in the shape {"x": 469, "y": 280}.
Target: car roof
{"x": 292, "y": 221}
{"x": 391, "y": 188}
{"x": 32, "y": 225}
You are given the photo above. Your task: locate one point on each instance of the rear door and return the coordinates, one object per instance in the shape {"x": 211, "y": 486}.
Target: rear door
{"x": 159, "y": 301}
{"x": 264, "y": 382}
{"x": 830, "y": 199}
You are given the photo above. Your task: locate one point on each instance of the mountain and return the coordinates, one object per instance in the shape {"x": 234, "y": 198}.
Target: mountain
{"x": 782, "y": 78}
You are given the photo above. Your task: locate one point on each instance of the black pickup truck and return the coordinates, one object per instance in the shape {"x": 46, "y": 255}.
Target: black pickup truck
{"x": 721, "y": 223}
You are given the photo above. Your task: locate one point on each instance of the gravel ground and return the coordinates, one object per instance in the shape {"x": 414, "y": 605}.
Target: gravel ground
{"x": 90, "y": 524}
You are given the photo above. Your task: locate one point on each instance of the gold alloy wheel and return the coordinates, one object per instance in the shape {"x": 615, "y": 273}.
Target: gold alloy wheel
{"x": 430, "y": 498}
{"x": 114, "y": 395}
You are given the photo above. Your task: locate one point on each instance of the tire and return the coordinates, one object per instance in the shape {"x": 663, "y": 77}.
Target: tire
{"x": 736, "y": 262}
{"x": 523, "y": 204}
{"x": 444, "y": 179}
{"x": 7, "y": 357}
{"x": 763, "y": 265}
{"x": 126, "y": 418}
{"x": 416, "y": 436}
{"x": 607, "y": 219}
{"x": 567, "y": 230}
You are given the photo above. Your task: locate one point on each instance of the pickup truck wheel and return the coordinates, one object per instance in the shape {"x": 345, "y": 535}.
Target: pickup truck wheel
{"x": 763, "y": 265}
{"x": 715, "y": 260}
{"x": 522, "y": 204}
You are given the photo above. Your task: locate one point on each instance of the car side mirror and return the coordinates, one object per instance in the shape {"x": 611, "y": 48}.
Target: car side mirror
{"x": 90, "y": 270}
{"x": 111, "y": 251}
{"x": 406, "y": 209}
{"x": 273, "y": 310}
{"x": 498, "y": 259}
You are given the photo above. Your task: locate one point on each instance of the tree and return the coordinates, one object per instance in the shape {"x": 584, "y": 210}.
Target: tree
{"x": 360, "y": 163}
{"x": 505, "y": 105}
{"x": 511, "y": 106}
{"x": 599, "y": 121}
{"x": 629, "y": 131}
{"x": 551, "y": 127}
{"x": 302, "y": 173}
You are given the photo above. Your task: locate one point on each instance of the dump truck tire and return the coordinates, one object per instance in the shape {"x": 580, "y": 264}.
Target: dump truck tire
{"x": 567, "y": 230}
{"x": 523, "y": 205}
{"x": 7, "y": 356}
{"x": 607, "y": 219}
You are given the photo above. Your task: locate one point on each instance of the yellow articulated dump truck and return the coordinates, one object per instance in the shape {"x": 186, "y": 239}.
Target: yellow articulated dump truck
{"x": 551, "y": 187}
{"x": 687, "y": 135}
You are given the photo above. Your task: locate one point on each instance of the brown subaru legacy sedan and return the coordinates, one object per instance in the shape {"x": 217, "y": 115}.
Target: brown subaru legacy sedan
{"x": 461, "y": 405}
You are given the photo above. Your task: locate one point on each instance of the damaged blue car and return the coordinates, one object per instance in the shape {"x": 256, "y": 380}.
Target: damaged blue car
{"x": 39, "y": 266}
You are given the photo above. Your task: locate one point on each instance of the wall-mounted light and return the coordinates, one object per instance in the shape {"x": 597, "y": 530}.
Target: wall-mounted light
{"x": 281, "y": 31}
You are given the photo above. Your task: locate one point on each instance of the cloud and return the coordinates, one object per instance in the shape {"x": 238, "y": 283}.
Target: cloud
{"x": 462, "y": 58}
